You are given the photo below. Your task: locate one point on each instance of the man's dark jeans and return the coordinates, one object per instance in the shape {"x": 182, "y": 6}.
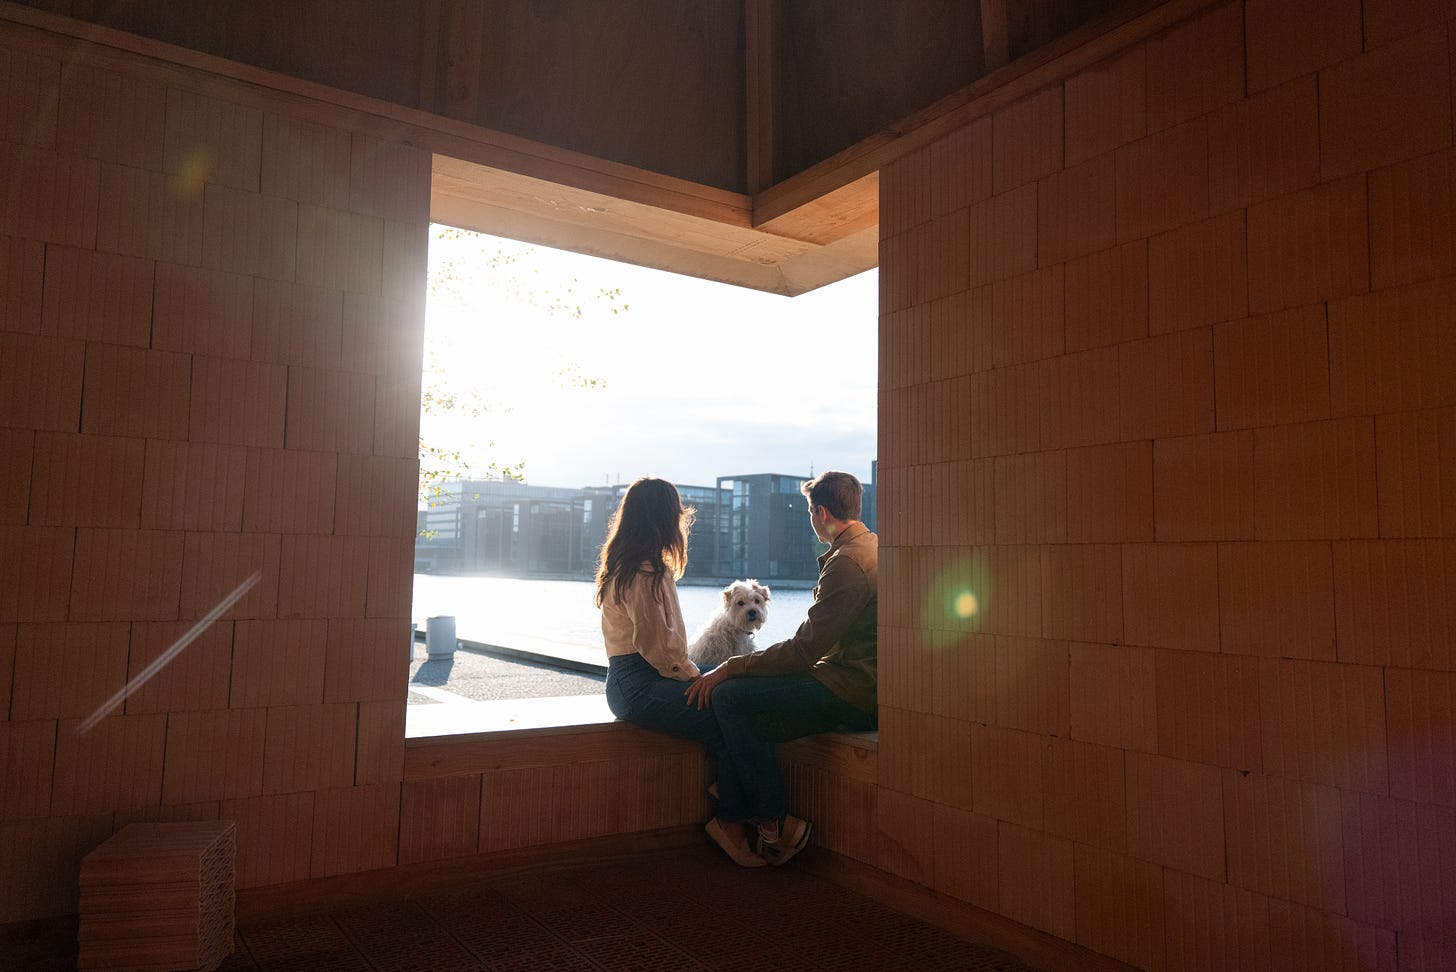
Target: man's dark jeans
{"x": 753, "y": 714}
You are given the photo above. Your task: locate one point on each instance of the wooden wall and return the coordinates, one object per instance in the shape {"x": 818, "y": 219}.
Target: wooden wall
{"x": 687, "y": 90}
{"x": 1167, "y": 491}
{"x": 504, "y": 791}
{"x": 211, "y": 337}
{"x": 211, "y": 325}
{"x": 657, "y": 84}
{"x": 376, "y": 55}
{"x": 1168, "y": 385}
{"x": 846, "y": 70}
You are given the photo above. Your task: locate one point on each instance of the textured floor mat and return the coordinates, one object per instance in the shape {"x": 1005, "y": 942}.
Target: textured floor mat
{"x": 687, "y": 910}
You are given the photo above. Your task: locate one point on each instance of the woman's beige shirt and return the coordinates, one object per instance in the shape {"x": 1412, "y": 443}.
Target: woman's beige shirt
{"x": 654, "y": 628}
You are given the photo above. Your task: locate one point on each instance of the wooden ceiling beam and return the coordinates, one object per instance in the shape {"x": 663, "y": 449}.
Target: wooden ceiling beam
{"x": 812, "y": 229}
{"x": 508, "y": 204}
{"x": 429, "y": 55}
{"x": 995, "y": 34}
{"x": 759, "y": 50}
{"x": 832, "y": 216}
{"x": 464, "y": 25}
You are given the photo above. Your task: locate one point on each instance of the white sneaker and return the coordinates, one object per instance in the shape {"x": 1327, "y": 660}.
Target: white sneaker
{"x": 793, "y": 837}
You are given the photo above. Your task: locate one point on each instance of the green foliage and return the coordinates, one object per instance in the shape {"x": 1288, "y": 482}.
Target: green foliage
{"x": 463, "y": 265}
{"x": 514, "y": 276}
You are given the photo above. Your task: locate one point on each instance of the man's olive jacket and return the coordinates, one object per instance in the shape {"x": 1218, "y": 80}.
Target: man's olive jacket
{"x": 836, "y": 643}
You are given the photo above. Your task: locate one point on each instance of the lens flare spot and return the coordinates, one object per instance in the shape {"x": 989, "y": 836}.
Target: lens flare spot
{"x": 194, "y": 170}
{"x": 956, "y": 593}
{"x": 965, "y": 604}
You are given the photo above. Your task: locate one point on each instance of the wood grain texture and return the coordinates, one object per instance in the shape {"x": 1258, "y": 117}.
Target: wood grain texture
{"x": 433, "y": 756}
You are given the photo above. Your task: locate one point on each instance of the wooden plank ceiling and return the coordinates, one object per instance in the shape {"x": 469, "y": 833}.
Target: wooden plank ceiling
{"x": 737, "y": 140}
{"x": 804, "y": 211}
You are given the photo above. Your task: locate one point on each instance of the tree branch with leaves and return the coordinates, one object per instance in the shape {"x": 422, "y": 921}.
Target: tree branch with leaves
{"x": 473, "y": 277}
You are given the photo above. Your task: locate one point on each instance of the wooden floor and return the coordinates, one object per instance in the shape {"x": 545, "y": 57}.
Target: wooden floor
{"x": 677, "y": 910}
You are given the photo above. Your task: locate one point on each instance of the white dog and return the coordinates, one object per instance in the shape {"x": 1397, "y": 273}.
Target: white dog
{"x": 730, "y": 631}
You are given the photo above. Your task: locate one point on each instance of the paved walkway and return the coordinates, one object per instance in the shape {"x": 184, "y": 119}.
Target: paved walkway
{"x": 476, "y": 691}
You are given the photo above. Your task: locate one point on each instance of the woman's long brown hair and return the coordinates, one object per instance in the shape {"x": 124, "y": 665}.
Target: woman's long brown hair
{"x": 649, "y": 526}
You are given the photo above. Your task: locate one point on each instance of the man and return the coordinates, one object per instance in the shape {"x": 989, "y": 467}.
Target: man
{"x": 822, "y": 678}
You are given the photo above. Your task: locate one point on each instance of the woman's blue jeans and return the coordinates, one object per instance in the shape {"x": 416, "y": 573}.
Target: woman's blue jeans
{"x": 636, "y": 693}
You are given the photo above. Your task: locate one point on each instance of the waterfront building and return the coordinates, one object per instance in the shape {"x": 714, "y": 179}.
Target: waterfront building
{"x": 869, "y": 512}
{"x": 710, "y": 529}
{"x": 523, "y": 530}
{"x": 768, "y": 530}
{"x": 594, "y": 508}
{"x": 596, "y": 504}
{"x": 499, "y": 527}
{"x": 752, "y": 525}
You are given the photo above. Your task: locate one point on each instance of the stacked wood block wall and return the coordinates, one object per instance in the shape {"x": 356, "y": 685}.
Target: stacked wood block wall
{"x": 507, "y": 791}
{"x": 159, "y": 895}
{"x": 211, "y": 315}
{"x": 1168, "y": 498}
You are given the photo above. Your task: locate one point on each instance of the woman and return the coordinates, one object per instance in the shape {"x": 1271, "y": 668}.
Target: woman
{"x": 648, "y": 670}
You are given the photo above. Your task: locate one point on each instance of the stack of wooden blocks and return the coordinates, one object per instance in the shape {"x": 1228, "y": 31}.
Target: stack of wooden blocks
{"x": 159, "y": 896}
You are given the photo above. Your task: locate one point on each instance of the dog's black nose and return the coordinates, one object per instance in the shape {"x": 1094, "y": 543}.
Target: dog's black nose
{"x": 753, "y": 615}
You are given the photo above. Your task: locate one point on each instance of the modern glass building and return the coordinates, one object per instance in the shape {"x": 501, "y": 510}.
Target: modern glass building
{"x": 502, "y": 527}
{"x": 869, "y": 513}
{"x": 499, "y": 527}
{"x": 768, "y": 530}
{"x": 594, "y": 508}
{"x": 596, "y": 504}
{"x": 710, "y": 528}
{"x": 754, "y": 525}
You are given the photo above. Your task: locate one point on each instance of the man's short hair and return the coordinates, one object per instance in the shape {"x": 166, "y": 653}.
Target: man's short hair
{"x": 838, "y": 492}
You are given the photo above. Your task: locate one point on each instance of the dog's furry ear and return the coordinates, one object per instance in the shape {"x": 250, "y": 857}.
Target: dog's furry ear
{"x": 759, "y": 589}
{"x": 728, "y": 595}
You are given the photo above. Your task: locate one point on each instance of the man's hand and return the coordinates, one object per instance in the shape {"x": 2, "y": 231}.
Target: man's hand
{"x": 700, "y": 689}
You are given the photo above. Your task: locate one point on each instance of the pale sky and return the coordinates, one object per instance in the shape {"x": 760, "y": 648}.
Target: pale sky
{"x": 694, "y": 379}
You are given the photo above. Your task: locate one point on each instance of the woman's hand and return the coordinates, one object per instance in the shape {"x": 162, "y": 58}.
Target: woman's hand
{"x": 700, "y": 689}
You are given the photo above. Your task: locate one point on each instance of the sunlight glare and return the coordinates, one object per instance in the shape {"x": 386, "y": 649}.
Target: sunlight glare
{"x": 570, "y": 360}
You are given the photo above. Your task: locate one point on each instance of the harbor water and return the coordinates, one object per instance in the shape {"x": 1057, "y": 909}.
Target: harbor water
{"x": 536, "y": 615}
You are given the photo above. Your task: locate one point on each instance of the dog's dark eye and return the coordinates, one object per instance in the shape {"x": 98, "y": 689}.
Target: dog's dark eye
{"x": 740, "y": 604}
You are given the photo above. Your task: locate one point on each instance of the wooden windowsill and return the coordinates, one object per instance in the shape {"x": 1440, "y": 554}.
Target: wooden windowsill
{"x": 849, "y": 755}
{"x": 455, "y": 716}
{"x": 530, "y": 732}
{"x": 426, "y": 757}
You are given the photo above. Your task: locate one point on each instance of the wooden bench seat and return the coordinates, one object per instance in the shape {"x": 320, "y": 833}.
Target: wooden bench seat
{"x": 849, "y": 754}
